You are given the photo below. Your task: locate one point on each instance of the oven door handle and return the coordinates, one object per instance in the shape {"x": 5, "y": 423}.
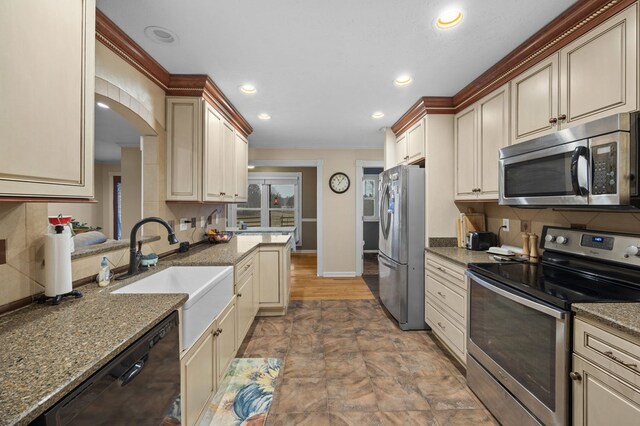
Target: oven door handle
{"x": 537, "y": 306}
{"x": 580, "y": 187}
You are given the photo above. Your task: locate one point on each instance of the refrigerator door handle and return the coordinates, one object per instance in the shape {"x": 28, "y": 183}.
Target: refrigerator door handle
{"x": 385, "y": 215}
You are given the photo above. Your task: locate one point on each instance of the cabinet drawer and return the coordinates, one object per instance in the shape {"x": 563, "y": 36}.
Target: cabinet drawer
{"x": 613, "y": 353}
{"x": 446, "y": 330}
{"x": 446, "y": 296}
{"x": 452, "y": 273}
{"x": 244, "y": 267}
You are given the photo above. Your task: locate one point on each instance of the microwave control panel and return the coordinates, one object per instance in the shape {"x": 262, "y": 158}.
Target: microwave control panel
{"x": 604, "y": 168}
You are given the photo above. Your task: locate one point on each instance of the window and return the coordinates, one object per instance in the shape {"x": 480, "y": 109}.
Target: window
{"x": 370, "y": 198}
{"x": 273, "y": 200}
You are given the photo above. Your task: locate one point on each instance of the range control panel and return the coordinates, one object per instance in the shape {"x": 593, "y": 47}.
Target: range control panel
{"x": 601, "y": 245}
{"x": 605, "y": 168}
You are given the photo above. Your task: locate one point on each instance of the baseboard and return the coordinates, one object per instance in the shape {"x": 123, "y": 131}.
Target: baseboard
{"x": 306, "y": 251}
{"x": 338, "y": 274}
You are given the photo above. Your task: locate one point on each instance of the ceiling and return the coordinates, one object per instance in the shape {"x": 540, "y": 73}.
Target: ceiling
{"x": 323, "y": 67}
{"x": 111, "y": 133}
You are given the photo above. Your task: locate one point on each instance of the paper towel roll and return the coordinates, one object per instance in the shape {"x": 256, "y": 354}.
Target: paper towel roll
{"x": 57, "y": 264}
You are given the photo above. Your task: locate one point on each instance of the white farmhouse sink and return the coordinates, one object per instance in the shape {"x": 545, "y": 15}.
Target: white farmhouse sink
{"x": 210, "y": 288}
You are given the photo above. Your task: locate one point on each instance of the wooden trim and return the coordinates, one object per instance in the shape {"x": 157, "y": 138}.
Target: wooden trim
{"x": 425, "y": 105}
{"x": 31, "y": 199}
{"x": 17, "y": 304}
{"x": 202, "y": 85}
{"x": 109, "y": 34}
{"x": 574, "y": 22}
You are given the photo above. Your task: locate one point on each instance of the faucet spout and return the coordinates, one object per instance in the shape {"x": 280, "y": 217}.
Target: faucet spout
{"x": 135, "y": 256}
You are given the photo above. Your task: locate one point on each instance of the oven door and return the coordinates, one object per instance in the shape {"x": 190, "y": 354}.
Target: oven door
{"x": 524, "y": 344}
{"x": 552, "y": 176}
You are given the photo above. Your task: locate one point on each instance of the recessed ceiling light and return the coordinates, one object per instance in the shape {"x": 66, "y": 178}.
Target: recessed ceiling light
{"x": 403, "y": 80}
{"x": 248, "y": 89}
{"x": 264, "y": 116}
{"x": 377, "y": 114}
{"x": 251, "y": 167}
{"x": 102, "y": 105}
{"x": 449, "y": 19}
{"x": 161, "y": 35}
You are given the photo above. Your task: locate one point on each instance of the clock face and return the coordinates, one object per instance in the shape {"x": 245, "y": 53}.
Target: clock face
{"x": 339, "y": 183}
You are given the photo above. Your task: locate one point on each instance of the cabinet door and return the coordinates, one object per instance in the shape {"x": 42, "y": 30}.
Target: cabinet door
{"x": 416, "y": 142}
{"x": 242, "y": 161}
{"x": 270, "y": 278}
{"x": 601, "y": 399}
{"x": 401, "y": 149}
{"x": 465, "y": 157}
{"x": 598, "y": 71}
{"x": 184, "y": 134}
{"x": 534, "y": 101}
{"x": 212, "y": 157}
{"x": 47, "y": 74}
{"x": 256, "y": 284}
{"x": 493, "y": 134}
{"x": 228, "y": 164}
{"x": 226, "y": 339}
{"x": 199, "y": 379}
{"x": 244, "y": 306}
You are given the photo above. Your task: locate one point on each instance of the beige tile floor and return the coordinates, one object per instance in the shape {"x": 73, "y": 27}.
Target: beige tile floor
{"x": 347, "y": 363}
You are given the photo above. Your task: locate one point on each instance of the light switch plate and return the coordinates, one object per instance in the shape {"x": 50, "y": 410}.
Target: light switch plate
{"x": 203, "y": 222}
{"x": 194, "y": 222}
{"x": 184, "y": 224}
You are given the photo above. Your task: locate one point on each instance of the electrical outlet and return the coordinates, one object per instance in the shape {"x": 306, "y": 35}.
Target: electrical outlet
{"x": 525, "y": 226}
{"x": 3, "y": 252}
{"x": 194, "y": 222}
{"x": 505, "y": 225}
{"x": 184, "y": 224}
{"x": 203, "y": 222}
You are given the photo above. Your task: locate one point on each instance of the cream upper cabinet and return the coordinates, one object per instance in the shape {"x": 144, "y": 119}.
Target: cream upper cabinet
{"x": 465, "y": 136}
{"x": 416, "y": 141}
{"x": 599, "y": 71}
{"x": 47, "y": 98}
{"x": 480, "y": 131}
{"x": 594, "y": 76}
{"x": 401, "y": 150}
{"x": 241, "y": 172}
{"x": 534, "y": 101}
{"x": 205, "y": 161}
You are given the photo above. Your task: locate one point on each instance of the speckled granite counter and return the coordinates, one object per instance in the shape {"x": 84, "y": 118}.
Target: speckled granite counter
{"x": 49, "y": 350}
{"x": 461, "y": 256}
{"x": 621, "y": 316}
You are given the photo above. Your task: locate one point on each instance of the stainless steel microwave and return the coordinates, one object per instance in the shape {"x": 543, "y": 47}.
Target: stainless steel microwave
{"x": 592, "y": 165}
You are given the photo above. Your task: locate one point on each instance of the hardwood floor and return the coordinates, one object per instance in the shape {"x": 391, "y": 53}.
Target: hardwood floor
{"x": 306, "y": 285}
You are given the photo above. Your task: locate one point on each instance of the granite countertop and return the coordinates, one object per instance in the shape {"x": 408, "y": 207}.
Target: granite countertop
{"x": 462, "y": 256}
{"x": 621, "y": 316}
{"x": 49, "y": 350}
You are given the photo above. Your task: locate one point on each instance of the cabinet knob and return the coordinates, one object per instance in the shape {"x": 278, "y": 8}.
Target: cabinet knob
{"x": 239, "y": 294}
{"x": 575, "y": 376}
{"x": 216, "y": 334}
{"x": 219, "y": 331}
{"x": 236, "y": 195}
{"x": 553, "y": 120}
{"x": 562, "y": 117}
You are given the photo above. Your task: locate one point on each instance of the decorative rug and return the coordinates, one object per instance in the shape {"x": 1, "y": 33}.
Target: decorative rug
{"x": 245, "y": 394}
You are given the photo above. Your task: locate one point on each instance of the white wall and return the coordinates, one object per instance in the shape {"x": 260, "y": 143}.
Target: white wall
{"x": 339, "y": 210}
{"x": 389, "y": 148}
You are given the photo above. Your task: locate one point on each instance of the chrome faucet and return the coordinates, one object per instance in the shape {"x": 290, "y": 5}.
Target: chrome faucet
{"x": 135, "y": 256}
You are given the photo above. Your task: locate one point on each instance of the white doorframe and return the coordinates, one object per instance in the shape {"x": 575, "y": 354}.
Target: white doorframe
{"x": 360, "y": 166}
{"x": 319, "y": 165}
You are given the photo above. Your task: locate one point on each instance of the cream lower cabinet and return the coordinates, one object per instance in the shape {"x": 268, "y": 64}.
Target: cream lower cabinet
{"x": 206, "y": 161}
{"x": 605, "y": 377}
{"x": 594, "y": 76}
{"x": 479, "y": 133}
{"x": 275, "y": 267}
{"x": 47, "y": 69}
{"x": 204, "y": 364}
{"x": 446, "y": 304}
{"x": 246, "y": 289}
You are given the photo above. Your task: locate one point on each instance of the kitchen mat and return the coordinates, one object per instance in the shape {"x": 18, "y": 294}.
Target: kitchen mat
{"x": 245, "y": 394}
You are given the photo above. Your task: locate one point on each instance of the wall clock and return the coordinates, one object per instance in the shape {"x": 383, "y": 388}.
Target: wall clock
{"x": 339, "y": 183}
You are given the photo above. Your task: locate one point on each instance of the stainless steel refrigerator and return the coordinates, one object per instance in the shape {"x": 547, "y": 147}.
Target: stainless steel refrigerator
{"x": 401, "y": 245}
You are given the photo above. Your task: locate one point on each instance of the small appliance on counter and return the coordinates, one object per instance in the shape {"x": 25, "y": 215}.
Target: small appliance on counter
{"x": 58, "y": 247}
{"x": 480, "y": 241}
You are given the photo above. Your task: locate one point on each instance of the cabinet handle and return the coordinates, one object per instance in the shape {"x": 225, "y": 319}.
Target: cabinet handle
{"x": 441, "y": 326}
{"x": 553, "y": 120}
{"x": 610, "y": 354}
{"x": 440, "y": 268}
{"x": 219, "y": 331}
{"x": 216, "y": 334}
{"x": 236, "y": 195}
{"x": 444, "y": 296}
{"x": 562, "y": 117}
{"x": 239, "y": 294}
{"x": 575, "y": 376}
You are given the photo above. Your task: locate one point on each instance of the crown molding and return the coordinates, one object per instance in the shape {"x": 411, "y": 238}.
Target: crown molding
{"x": 201, "y": 85}
{"x": 425, "y": 105}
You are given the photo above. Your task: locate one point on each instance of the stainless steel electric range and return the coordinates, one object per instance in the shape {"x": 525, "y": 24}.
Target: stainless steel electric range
{"x": 519, "y": 322}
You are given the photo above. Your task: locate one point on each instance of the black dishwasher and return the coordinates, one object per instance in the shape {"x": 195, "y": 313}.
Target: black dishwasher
{"x": 140, "y": 386}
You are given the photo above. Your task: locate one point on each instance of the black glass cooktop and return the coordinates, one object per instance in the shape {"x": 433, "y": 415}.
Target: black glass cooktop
{"x": 562, "y": 280}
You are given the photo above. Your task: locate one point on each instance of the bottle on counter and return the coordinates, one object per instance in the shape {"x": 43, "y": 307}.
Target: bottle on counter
{"x": 104, "y": 275}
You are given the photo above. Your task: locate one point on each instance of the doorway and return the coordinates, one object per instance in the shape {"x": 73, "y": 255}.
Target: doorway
{"x": 367, "y": 216}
